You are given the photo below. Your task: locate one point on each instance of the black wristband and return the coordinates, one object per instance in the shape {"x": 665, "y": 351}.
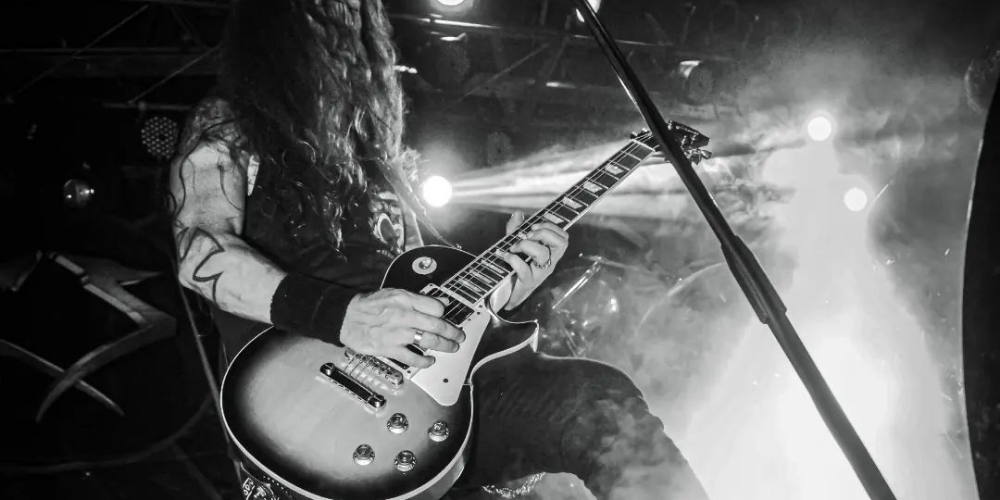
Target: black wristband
{"x": 310, "y": 307}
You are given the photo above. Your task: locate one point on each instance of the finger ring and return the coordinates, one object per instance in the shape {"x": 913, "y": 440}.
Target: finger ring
{"x": 417, "y": 337}
{"x": 547, "y": 263}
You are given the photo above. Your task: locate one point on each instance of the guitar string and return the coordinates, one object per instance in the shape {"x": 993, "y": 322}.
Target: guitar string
{"x": 576, "y": 189}
{"x": 351, "y": 361}
{"x": 368, "y": 364}
{"x": 361, "y": 359}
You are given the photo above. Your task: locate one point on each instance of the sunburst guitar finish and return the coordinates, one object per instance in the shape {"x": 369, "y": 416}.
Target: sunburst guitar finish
{"x": 321, "y": 437}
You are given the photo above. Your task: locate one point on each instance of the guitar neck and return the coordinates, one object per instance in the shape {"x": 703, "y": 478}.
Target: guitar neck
{"x": 485, "y": 273}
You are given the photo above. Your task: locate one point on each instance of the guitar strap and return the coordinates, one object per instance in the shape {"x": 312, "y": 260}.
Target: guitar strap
{"x": 403, "y": 189}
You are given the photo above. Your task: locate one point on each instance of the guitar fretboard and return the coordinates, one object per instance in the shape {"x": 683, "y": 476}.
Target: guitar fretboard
{"x": 485, "y": 273}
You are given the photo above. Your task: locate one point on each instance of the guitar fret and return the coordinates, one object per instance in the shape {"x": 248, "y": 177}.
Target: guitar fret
{"x": 470, "y": 289}
{"x": 585, "y": 197}
{"x": 553, "y": 218}
{"x": 615, "y": 169}
{"x": 481, "y": 276}
{"x": 634, "y": 157}
{"x": 500, "y": 266}
{"x": 570, "y": 202}
{"x": 479, "y": 280}
{"x": 466, "y": 280}
{"x": 646, "y": 146}
{"x": 458, "y": 315}
{"x": 462, "y": 292}
{"x": 565, "y": 212}
{"x": 485, "y": 273}
{"x": 604, "y": 179}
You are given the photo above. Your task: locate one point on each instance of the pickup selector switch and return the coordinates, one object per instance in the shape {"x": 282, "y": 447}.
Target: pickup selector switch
{"x": 397, "y": 423}
{"x": 405, "y": 461}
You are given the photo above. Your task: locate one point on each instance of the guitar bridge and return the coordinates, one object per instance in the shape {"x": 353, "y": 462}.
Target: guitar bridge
{"x": 367, "y": 396}
{"x": 391, "y": 376}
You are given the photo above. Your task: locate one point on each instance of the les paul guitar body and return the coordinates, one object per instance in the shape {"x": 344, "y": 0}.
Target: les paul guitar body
{"x": 323, "y": 422}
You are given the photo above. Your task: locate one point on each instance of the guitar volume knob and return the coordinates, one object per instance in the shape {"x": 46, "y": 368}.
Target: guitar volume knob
{"x": 438, "y": 432}
{"x": 397, "y": 423}
{"x": 405, "y": 461}
{"x": 364, "y": 455}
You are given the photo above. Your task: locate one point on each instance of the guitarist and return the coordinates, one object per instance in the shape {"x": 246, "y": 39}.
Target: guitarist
{"x": 285, "y": 213}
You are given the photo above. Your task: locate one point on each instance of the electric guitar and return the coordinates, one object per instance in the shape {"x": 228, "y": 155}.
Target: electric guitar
{"x": 318, "y": 421}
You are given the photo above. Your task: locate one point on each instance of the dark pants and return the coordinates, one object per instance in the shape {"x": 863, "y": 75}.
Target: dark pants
{"x": 538, "y": 413}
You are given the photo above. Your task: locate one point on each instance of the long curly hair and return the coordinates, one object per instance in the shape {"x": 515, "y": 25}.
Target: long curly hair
{"x": 316, "y": 97}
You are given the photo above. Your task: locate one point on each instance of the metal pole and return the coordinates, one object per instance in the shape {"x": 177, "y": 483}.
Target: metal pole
{"x": 751, "y": 277}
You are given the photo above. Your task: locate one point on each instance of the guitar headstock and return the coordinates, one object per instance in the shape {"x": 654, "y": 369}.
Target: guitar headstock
{"x": 690, "y": 139}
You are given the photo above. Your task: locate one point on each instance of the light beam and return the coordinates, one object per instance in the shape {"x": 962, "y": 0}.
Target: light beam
{"x": 436, "y": 191}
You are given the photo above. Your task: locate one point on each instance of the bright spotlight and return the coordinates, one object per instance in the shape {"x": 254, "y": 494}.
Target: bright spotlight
{"x": 436, "y": 191}
{"x": 452, "y": 6}
{"x": 855, "y": 199}
{"x": 820, "y": 128}
{"x": 596, "y": 4}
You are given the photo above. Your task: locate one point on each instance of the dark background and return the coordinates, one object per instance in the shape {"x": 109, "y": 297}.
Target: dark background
{"x": 76, "y": 111}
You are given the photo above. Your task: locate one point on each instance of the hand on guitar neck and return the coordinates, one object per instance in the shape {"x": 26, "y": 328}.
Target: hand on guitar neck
{"x": 383, "y": 323}
{"x": 544, "y": 244}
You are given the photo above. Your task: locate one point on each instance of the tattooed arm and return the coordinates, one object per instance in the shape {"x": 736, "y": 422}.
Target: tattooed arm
{"x": 210, "y": 193}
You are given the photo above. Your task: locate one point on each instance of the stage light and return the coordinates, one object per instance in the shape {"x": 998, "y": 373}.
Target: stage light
{"x": 699, "y": 81}
{"x": 159, "y": 135}
{"x": 452, "y": 6}
{"x": 77, "y": 193}
{"x": 596, "y": 4}
{"x": 820, "y": 127}
{"x": 856, "y": 199}
{"x": 436, "y": 191}
{"x": 444, "y": 62}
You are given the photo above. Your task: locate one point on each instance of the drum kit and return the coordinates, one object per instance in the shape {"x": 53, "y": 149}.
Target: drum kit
{"x": 605, "y": 309}
{"x": 621, "y": 313}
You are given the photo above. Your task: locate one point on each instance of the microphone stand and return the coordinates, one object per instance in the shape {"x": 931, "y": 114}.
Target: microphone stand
{"x": 751, "y": 277}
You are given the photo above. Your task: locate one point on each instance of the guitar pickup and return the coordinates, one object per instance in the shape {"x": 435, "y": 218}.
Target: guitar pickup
{"x": 367, "y": 396}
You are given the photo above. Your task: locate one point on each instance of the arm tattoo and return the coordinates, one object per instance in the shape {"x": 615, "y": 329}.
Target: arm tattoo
{"x": 211, "y": 122}
{"x": 215, "y": 247}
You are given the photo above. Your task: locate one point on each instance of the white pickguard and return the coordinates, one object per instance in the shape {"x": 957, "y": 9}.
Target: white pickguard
{"x": 444, "y": 379}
